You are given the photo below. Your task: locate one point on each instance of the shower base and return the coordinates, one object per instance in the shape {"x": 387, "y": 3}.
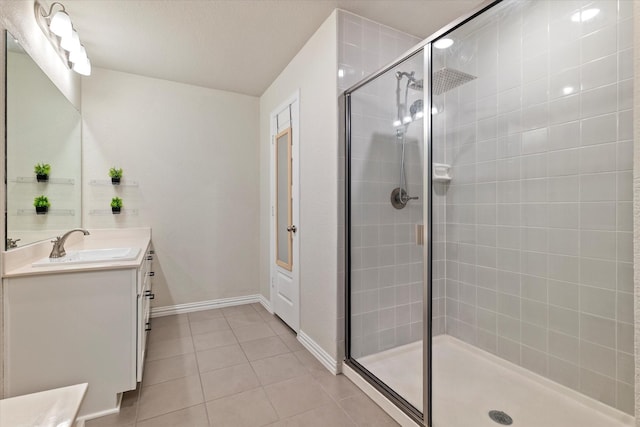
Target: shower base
{"x": 469, "y": 382}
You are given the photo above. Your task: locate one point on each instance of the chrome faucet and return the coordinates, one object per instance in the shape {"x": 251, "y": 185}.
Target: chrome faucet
{"x": 11, "y": 243}
{"x": 58, "y": 244}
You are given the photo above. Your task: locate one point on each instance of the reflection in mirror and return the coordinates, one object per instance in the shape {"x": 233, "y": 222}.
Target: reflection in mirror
{"x": 42, "y": 127}
{"x": 284, "y": 239}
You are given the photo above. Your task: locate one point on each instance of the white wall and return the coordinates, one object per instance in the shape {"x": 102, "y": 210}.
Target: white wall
{"x": 18, "y": 18}
{"x": 313, "y": 72}
{"x": 193, "y": 153}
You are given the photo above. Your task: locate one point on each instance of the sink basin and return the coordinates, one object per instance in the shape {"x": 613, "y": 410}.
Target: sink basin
{"x": 91, "y": 256}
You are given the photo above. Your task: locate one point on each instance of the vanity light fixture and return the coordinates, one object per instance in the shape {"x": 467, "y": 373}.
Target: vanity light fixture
{"x": 64, "y": 37}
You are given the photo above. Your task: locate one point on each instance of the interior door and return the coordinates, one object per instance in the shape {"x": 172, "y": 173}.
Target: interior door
{"x": 285, "y": 278}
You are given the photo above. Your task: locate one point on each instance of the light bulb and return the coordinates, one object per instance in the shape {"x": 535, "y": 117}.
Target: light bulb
{"x": 78, "y": 55}
{"x": 83, "y": 67}
{"x": 443, "y": 43}
{"x": 61, "y": 24}
{"x": 71, "y": 42}
{"x": 396, "y": 123}
{"x": 406, "y": 119}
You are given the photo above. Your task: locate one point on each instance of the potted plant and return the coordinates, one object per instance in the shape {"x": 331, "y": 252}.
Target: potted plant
{"x": 42, "y": 171}
{"x": 115, "y": 175}
{"x": 116, "y": 205}
{"x": 42, "y": 204}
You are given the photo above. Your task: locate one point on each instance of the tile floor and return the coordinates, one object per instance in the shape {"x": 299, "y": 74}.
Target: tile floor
{"x": 237, "y": 366}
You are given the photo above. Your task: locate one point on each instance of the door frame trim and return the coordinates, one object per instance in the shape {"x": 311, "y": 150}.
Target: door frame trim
{"x": 294, "y": 101}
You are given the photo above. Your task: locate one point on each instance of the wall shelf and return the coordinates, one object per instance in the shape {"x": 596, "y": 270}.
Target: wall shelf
{"x": 124, "y": 211}
{"x": 54, "y": 212}
{"x": 108, "y": 182}
{"x": 33, "y": 180}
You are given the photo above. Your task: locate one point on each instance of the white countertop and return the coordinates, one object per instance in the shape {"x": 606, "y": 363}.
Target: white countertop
{"x": 18, "y": 262}
{"x": 50, "y": 408}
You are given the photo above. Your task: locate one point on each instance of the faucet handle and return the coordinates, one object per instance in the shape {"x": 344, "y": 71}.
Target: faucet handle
{"x": 12, "y": 243}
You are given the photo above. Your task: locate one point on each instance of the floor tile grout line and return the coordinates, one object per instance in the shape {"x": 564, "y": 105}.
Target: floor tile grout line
{"x": 308, "y": 370}
{"x": 261, "y": 386}
{"x": 172, "y": 412}
{"x": 195, "y": 354}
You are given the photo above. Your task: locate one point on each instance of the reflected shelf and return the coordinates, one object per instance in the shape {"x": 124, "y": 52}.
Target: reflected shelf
{"x": 54, "y": 212}
{"x": 33, "y": 180}
{"x": 109, "y": 212}
{"x": 108, "y": 182}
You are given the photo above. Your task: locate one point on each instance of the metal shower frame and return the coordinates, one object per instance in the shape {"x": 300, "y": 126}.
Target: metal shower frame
{"x": 421, "y": 418}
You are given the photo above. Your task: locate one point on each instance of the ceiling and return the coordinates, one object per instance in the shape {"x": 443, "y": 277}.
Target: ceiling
{"x": 234, "y": 45}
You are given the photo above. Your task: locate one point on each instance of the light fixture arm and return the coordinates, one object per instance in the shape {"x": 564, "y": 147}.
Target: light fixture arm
{"x": 48, "y": 15}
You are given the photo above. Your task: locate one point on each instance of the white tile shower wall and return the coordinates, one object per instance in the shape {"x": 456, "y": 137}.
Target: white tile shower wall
{"x": 386, "y": 273}
{"x": 365, "y": 46}
{"x": 539, "y": 212}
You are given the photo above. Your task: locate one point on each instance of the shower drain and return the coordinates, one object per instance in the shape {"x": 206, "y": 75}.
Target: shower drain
{"x": 501, "y": 418}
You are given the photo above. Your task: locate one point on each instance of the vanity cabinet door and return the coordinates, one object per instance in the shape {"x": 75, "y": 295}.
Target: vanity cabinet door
{"x": 63, "y": 329}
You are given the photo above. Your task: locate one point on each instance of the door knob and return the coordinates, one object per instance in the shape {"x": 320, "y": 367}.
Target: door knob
{"x": 292, "y": 228}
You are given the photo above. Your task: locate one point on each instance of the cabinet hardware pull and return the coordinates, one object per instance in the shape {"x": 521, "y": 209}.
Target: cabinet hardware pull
{"x": 148, "y": 328}
{"x": 149, "y": 258}
{"x": 151, "y": 273}
{"x": 151, "y": 252}
{"x": 150, "y": 295}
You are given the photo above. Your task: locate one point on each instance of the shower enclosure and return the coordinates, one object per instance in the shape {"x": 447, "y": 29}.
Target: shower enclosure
{"x": 489, "y": 220}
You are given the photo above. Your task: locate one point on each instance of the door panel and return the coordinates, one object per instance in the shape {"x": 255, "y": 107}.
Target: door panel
{"x": 285, "y": 297}
{"x": 285, "y": 282}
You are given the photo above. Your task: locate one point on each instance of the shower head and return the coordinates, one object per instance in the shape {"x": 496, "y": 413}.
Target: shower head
{"x": 446, "y": 79}
{"x": 416, "y": 107}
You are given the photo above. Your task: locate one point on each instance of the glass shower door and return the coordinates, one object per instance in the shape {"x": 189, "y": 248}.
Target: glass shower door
{"x": 385, "y": 340}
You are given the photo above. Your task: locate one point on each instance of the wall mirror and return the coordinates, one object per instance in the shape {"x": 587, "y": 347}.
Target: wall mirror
{"x": 42, "y": 127}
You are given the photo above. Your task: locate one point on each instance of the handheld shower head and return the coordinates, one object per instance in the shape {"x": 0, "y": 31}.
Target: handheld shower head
{"x": 416, "y": 107}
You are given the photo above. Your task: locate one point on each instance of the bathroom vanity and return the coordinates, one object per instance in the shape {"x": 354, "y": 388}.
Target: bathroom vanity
{"x": 70, "y": 322}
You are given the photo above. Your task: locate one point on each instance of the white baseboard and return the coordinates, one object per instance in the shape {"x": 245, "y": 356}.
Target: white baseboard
{"x": 318, "y": 352}
{"x": 206, "y": 305}
{"x": 265, "y": 303}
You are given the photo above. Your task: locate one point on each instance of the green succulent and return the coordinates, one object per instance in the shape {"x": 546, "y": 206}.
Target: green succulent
{"x": 116, "y": 202}
{"x": 41, "y": 202}
{"x": 42, "y": 168}
{"x": 115, "y": 172}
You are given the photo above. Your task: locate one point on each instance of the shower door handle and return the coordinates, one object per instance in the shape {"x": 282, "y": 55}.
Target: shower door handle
{"x": 292, "y": 228}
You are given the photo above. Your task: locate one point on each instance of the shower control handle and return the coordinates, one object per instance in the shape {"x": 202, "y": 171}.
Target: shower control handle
{"x": 292, "y": 228}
